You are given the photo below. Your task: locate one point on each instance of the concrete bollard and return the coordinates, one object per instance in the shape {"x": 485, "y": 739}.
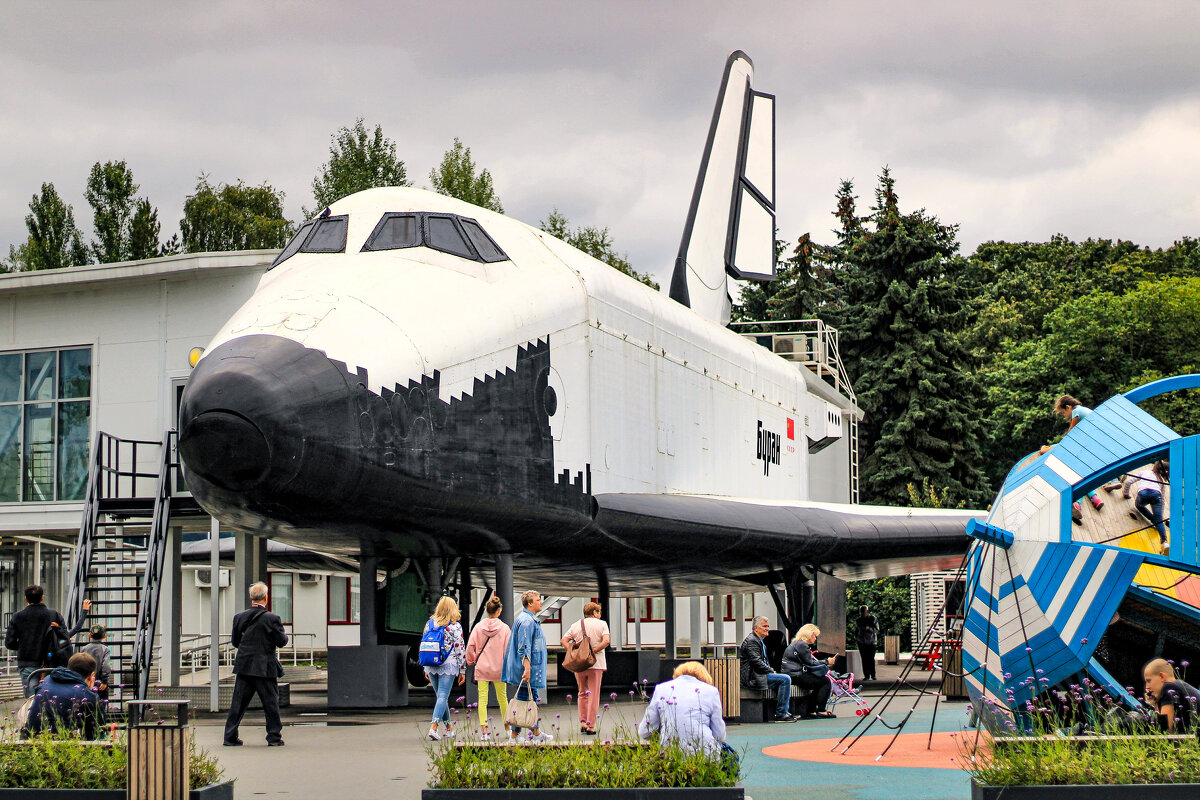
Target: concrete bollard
{"x": 159, "y": 750}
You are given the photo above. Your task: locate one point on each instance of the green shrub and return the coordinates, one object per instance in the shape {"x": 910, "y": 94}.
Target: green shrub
{"x": 600, "y": 765}
{"x": 63, "y": 761}
{"x": 1105, "y": 760}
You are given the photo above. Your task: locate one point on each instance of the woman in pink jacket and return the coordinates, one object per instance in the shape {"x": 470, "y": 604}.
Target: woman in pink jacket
{"x": 485, "y": 650}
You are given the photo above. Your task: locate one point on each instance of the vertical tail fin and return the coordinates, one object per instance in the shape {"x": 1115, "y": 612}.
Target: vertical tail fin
{"x": 730, "y": 226}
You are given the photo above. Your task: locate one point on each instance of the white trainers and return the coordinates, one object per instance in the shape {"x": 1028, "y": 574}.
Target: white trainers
{"x": 541, "y": 738}
{"x": 434, "y": 736}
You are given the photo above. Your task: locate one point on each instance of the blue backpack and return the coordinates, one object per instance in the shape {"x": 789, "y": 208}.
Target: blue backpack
{"x": 432, "y": 651}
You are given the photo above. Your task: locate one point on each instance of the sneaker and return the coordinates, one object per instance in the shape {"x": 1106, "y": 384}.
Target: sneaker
{"x": 784, "y": 718}
{"x": 540, "y": 738}
{"x": 1097, "y": 502}
{"x": 434, "y": 736}
{"x": 449, "y": 734}
{"x": 1111, "y": 486}
{"x": 1166, "y": 548}
{"x": 1077, "y": 513}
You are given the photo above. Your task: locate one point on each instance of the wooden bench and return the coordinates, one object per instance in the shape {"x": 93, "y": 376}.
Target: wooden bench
{"x": 759, "y": 706}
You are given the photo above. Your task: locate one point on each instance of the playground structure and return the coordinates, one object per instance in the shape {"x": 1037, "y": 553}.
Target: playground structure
{"x": 1043, "y": 591}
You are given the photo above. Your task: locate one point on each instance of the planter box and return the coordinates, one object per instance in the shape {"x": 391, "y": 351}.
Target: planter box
{"x": 1116, "y": 791}
{"x": 216, "y": 791}
{"x": 707, "y": 793}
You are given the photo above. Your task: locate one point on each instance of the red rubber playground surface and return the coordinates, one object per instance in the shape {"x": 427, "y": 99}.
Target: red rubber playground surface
{"x": 910, "y": 750}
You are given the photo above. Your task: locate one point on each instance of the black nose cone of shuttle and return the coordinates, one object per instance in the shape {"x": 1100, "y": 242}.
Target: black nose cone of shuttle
{"x": 247, "y": 411}
{"x": 227, "y": 449}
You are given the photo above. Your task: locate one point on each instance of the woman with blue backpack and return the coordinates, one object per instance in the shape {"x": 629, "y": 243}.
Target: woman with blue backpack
{"x": 442, "y": 655}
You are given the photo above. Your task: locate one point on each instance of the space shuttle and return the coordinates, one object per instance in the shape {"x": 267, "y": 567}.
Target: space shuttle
{"x": 423, "y": 378}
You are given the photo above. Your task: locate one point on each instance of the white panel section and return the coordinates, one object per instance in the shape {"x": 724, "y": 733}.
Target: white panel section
{"x": 1084, "y": 604}
{"x": 459, "y": 379}
{"x": 1071, "y": 476}
{"x": 760, "y": 147}
{"x": 1031, "y": 511}
{"x": 755, "y": 236}
{"x": 1068, "y": 582}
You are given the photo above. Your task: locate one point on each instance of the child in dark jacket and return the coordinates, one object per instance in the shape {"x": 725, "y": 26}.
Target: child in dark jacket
{"x": 64, "y": 700}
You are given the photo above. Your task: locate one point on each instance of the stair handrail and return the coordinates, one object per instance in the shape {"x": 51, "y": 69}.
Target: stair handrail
{"x": 83, "y": 545}
{"x": 147, "y": 619}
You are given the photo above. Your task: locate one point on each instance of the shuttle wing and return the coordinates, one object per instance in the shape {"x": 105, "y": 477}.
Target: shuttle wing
{"x": 857, "y": 541}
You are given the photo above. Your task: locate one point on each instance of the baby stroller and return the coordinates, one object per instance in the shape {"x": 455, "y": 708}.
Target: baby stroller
{"x": 843, "y": 691}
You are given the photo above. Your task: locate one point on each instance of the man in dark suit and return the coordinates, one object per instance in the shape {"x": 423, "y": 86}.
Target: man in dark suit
{"x": 256, "y": 634}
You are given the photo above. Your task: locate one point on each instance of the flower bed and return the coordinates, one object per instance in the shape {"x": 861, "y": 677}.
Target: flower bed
{"x": 62, "y": 766}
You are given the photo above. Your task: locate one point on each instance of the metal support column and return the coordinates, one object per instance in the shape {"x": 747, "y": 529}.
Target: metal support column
{"x": 368, "y": 627}
{"x": 504, "y": 587}
{"x": 668, "y": 616}
{"x": 171, "y": 609}
{"x": 616, "y": 628}
{"x": 739, "y": 617}
{"x": 214, "y": 629}
{"x": 717, "y": 606}
{"x": 603, "y": 595}
{"x": 696, "y": 627}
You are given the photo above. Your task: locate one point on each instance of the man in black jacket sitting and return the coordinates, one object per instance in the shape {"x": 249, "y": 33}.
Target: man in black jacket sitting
{"x": 29, "y": 633}
{"x": 757, "y": 673}
{"x": 256, "y": 634}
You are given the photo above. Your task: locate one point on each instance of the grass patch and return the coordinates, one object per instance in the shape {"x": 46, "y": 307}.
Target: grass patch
{"x": 1101, "y": 761}
{"x": 600, "y": 766}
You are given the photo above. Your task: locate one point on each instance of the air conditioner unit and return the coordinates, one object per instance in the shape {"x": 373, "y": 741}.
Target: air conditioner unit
{"x": 308, "y": 577}
{"x": 204, "y": 578}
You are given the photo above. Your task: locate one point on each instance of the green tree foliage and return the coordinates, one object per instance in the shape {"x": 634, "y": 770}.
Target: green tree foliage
{"x": 233, "y": 217}
{"x": 1093, "y": 347}
{"x": 54, "y": 240}
{"x": 1105, "y": 302}
{"x": 110, "y": 192}
{"x": 18, "y": 258}
{"x": 802, "y": 284}
{"x": 126, "y": 227}
{"x": 596, "y": 242}
{"x": 902, "y": 298}
{"x": 889, "y": 600}
{"x": 456, "y": 176}
{"x": 358, "y": 160}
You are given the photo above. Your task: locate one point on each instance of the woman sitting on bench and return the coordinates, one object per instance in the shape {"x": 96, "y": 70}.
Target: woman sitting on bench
{"x": 809, "y": 672}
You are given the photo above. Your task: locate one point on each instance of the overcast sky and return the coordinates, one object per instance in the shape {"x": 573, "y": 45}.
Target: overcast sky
{"x": 1015, "y": 120}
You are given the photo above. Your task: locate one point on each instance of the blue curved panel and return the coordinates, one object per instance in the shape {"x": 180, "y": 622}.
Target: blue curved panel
{"x": 1172, "y": 384}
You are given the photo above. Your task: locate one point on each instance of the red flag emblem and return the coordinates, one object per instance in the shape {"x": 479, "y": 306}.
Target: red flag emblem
{"x": 791, "y": 429}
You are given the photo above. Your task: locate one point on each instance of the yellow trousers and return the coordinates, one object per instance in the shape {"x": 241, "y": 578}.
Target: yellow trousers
{"x": 501, "y": 698}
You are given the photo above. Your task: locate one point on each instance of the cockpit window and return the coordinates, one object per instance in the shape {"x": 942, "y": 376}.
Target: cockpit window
{"x": 444, "y": 235}
{"x": 484, "y": 245}
{"x": 449, "y": 233}
{"x": 293, "y": 246}
{"x": 394, "y": 232}
{"x": 329, "y": 236}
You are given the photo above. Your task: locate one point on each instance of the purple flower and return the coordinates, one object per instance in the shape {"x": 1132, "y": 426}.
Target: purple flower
{"x": 1183, "y": 663}
{"x": 570, "y": 698}
{"x": 606, "y": 706}
{"x": 1039, "y": 672}
{"x": 1083, "y": 640}
{"x": 612, "y": 696}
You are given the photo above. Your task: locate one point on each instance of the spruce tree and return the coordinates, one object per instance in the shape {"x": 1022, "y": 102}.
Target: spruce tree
{"x": 902, "y": 300}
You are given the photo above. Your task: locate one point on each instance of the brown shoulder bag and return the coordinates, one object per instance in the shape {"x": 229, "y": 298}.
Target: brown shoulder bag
{"x": 577, "y": 659}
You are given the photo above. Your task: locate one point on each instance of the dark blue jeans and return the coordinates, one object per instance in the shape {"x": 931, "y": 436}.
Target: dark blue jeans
{"x": 782, "y": 685}
{"x": 1149, "y": 502}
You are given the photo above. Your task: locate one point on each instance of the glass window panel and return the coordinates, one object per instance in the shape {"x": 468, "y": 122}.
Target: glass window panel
{"x": 39, "y": 376}
{"x": 486, "y": 248}
{"x": 395, "y": 233}
{"x": 291, "y": 247}
{"x": 75, "y": 373}
{"x": 73, "y": 437}
{"x": 10, "y": 377}
{"x": 38, "y": 463}
{"x": 328, "y": 237}
{"x": 10, "y": 454}
{"x": 354, "y": 600}
{"x": 337, "y": 599}
{"x": 658, "y": 608}
{"x": 444, "y": 236}
{"x": 281, "y": 596}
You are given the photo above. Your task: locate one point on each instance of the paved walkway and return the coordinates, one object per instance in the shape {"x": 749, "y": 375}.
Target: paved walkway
{"x": 382, "y": 754}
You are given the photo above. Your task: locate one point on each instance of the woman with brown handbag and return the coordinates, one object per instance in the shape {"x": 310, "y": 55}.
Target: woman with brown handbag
{"x": 585, "y": 644}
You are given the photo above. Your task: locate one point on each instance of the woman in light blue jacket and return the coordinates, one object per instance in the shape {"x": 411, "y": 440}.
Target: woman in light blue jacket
{"x": 525, "y": 658}
{"x": 687, "y": 711}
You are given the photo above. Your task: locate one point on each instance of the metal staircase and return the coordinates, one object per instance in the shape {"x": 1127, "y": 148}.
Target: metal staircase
{"x": 121, "y": 549}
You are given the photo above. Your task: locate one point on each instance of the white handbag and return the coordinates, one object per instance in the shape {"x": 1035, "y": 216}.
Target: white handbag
{"x": 522, "y": 713}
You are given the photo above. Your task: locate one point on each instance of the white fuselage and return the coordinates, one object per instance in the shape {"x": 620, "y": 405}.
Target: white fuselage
{"x": 654, "y": 397}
